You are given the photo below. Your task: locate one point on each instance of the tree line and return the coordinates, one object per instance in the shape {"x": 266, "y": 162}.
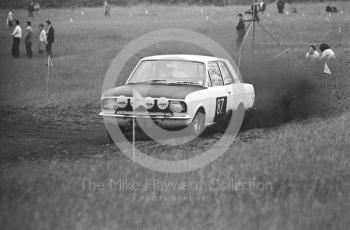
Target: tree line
{"x": 93, "y": 3}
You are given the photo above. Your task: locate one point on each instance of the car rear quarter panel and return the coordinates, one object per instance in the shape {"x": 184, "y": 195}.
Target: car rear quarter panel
{"x": 249, "y": 96}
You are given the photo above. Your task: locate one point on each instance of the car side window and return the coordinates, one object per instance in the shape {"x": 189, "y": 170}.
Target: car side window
{"x": 215, "y": 74}
{"x": 226, "y": 75}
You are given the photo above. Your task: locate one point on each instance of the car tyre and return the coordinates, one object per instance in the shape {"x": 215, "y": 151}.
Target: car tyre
{"x": 198, "y": 124}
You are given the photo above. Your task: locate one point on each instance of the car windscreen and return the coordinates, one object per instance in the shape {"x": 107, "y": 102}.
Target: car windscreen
{"x": 169, "y": 71}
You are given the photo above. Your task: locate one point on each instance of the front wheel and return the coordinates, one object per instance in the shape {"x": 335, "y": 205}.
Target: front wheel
{"x": 198, "y": 124}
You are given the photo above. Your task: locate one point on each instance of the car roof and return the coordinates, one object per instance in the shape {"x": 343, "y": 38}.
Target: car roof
{"x": 186, "y": 57}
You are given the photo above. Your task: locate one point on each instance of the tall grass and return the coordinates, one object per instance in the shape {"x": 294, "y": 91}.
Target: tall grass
{"x": 305, "y": 168}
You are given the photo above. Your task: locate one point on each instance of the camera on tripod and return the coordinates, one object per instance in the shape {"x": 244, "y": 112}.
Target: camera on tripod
{"x": 259, "y": 6}
{"x": 256, "y": 8}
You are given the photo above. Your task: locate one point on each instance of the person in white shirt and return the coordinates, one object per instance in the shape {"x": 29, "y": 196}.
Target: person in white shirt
{"x": 42, "y": 39}
{"x": 326, "y": 52}
{"x": 312, "y": 54}
{"x": 16, "y": 35}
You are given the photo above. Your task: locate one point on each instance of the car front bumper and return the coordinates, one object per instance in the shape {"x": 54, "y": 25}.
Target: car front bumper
{"x": 164, "y": 120}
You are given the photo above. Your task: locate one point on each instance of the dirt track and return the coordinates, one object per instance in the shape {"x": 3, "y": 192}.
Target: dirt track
{"x": 49, "y": 133}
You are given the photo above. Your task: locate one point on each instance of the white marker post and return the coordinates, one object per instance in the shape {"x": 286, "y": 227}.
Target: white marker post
{"x": 328, "y": 72}
{"x": 340, "y": 31}
{"x": 49, "y": 64}
{"x": 47, "y": 81}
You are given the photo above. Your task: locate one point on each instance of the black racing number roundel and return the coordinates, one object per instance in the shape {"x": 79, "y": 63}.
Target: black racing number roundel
{"x": 220, "y": 110}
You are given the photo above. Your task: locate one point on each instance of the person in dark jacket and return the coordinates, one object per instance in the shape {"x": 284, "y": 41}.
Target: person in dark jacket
{"x": 28, "y": 39}
{"x": 240, "y": 30}
{"x": 50, "y": 38}
{"x": 280, "y": 6}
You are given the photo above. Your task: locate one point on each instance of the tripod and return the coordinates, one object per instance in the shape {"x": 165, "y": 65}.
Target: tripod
{"x": 253, "y": 22}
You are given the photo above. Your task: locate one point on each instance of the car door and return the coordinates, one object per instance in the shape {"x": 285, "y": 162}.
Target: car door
{"x": 236, "y": 87}
{"x": 229, "y": 85}
{"x": 218, "y": 92}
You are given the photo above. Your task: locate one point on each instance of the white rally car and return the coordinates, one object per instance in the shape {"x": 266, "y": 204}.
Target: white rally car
{"x": 178, "y": 91}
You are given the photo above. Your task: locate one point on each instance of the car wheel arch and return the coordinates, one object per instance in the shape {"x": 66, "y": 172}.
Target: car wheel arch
{"x": 198, "y": 120}
{"x": 200, "y": 108}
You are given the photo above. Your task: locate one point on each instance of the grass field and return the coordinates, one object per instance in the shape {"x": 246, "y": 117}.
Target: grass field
{"x": 300, "y": 170}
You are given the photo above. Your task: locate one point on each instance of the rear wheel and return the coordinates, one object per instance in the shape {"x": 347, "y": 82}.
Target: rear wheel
{"x": 222, "y": 124}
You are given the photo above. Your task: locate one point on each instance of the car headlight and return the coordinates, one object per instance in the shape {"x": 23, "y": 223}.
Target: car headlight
{"x": 149, "y": 102}
{"x": 163, "y": 103}
{"x": 109, "y": 104}
{"x": 177, "y": 107}
{"x": 133, "y": 104}
{"x": 122, "y": 102}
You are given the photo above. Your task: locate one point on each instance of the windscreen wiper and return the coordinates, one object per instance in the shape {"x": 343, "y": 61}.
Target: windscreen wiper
{"x": 184, "y": 83}
{"x": 148, "y": 81}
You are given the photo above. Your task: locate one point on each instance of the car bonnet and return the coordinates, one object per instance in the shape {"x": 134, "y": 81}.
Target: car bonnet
{"x": 154, "y": 90}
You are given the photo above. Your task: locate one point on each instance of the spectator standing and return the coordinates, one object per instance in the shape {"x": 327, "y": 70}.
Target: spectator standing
{"x": 42, "y": 39}
{"x": 50, "y": 38}
{"x": 9, "y": 19}
{"x": 326, "y": 52}
{"x": 16, "y": 35}
{"x": 330, "y": 67}
{"x": 262, "y": 6}
{"x": 240, "y": 30}
{"x": 312, "y": 53}
{"x": 280, "y": 6}
{"x": 30, "y": 9}
{"x": 328, "y": 55}
{"x": 107, "y": 7}
{"x": 36, "y": 8}
{"x": 28, "y": 39}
